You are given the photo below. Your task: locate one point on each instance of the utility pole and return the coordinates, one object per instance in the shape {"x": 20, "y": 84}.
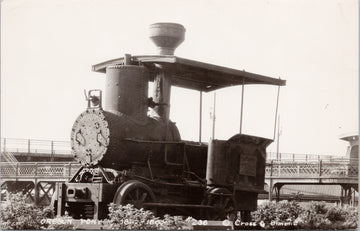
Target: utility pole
{"x": 242, "y": 105}
{"x": 278, "y": 140}
{"x": 214, "y": 117}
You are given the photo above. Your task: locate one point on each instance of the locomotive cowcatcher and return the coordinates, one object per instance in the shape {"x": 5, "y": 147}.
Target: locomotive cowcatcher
{"x": 131, "y": 156}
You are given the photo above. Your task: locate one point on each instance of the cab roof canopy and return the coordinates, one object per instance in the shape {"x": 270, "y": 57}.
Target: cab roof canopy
{"x": 194, "y": 75}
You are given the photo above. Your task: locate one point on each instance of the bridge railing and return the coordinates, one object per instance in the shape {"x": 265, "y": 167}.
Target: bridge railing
{"x": 61, "y": 170}
{"x": 35, "y": 146}
{"x": 53, "y": 170}
{"x": 302, "y": 157}
{"x": 63, "y": 147}
{"x": 321, "y": 168}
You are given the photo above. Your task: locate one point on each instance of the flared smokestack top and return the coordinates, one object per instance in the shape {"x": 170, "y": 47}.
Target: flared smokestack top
{"x": 167, "y": 36}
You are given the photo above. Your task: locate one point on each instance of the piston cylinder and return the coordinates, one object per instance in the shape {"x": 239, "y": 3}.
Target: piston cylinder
{"x": 126, "y": 90}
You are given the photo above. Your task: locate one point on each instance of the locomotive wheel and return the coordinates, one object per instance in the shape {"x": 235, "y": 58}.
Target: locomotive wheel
{"x": 133, "y": 192}
{"x": 223, "y": 204}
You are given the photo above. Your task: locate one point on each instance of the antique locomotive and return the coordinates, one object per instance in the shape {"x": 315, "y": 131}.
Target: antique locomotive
{"x": 129, "y": 155}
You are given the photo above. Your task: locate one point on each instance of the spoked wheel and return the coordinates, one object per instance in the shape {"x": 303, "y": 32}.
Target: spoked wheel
{"x": 134, "y": 192}
{"x": 223, "y": 203}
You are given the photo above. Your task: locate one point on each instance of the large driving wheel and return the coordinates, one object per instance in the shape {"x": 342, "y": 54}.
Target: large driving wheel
{"x": 222, "y": 202}
{"x": 134, "y": 192}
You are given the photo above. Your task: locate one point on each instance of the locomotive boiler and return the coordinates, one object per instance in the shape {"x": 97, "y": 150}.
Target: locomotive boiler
{"x": 130, "y": 152}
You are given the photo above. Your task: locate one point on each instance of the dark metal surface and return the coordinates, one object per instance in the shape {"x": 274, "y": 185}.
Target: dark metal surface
{"x": 126, "y": 90}
{"x": 99, "y": 137}
{"x": 195, "y": 75}
{"x": 239, "y": 162}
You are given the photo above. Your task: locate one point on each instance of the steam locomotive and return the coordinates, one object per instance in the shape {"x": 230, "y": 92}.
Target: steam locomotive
{"x": 130, "y": 156}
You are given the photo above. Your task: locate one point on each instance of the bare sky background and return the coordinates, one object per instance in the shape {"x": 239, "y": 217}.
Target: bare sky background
{"x": 48, "y": 47}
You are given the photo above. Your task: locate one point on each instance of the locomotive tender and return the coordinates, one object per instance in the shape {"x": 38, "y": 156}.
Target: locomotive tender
{"x": 128, "y": 156}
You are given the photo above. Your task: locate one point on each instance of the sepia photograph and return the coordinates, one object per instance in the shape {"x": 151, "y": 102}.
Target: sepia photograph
{"x": 179, "y": 115}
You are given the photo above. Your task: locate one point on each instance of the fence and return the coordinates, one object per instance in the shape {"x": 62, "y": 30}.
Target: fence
{"x": 35, "y": 146}
{"x": 31, "y": 170}
{"x": 62, "y": 170}
{"x": 63, "y": 147}
{"x": 321, "y": 168}
{"x": 290, "y": 157}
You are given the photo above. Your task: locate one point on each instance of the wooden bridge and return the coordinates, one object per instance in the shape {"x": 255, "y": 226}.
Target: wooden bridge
{"x": 38, "y": 179}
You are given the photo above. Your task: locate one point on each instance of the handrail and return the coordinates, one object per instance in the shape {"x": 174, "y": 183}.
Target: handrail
{"x": 10, "y": 158}
{"x": 331, "y": 169}
{"x": 64, "y": 170}
{"x": 63, "y": 147}
{"x": 332, "y": 160}
{"x": 35, "y": 146}
{"x": 34, "y": 170}
{"x": 301, "y": 156}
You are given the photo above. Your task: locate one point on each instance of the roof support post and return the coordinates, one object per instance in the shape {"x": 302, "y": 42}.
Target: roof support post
{"x": 277, "y": 106}
{"x": 214, "y": 117}
{"x": 242, "y": 103}
{"x": 200, "y": 117}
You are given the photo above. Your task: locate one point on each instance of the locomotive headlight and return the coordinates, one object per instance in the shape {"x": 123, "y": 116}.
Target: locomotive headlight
{"x": 90, "y": 137}
{"x": 95, "y": 101}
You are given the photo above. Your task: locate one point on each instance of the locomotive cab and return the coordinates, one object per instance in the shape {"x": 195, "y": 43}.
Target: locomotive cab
{"x": 128, "y": 156}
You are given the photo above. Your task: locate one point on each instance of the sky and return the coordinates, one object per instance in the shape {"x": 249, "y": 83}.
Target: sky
{"x": 48, "y": 48}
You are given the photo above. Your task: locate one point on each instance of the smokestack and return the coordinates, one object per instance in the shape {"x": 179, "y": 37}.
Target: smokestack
{"x": 167, "y": 36}
{"x": 126, "y": 90}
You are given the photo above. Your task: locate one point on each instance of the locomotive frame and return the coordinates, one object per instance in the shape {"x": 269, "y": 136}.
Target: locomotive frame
{"x": 124, "y": 162}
